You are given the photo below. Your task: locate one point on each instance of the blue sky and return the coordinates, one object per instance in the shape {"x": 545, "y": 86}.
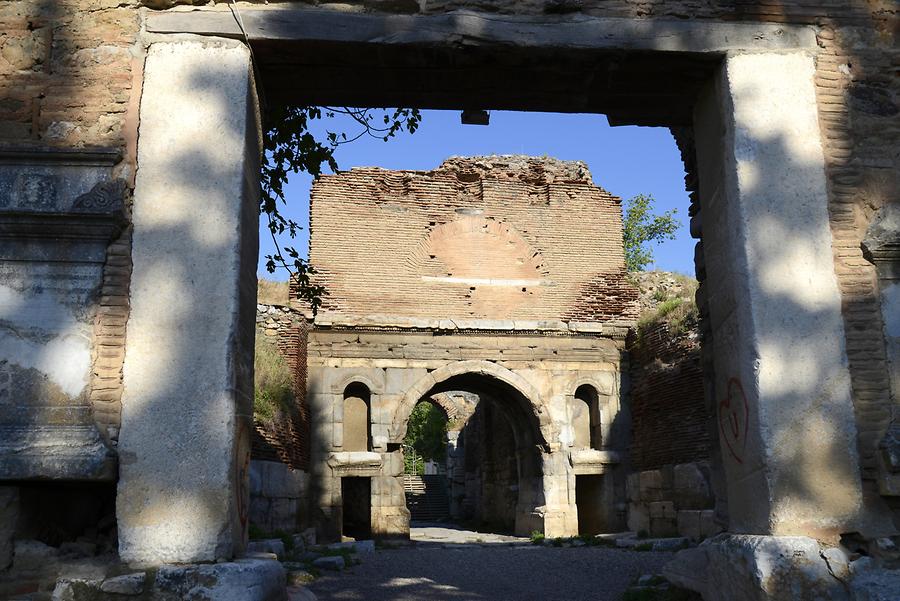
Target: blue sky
{"x": 623, "y": 160}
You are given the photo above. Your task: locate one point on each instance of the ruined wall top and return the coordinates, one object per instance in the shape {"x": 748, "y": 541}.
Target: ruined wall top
{"x": 528, "y": 169}
{"x": 479, "y": 238}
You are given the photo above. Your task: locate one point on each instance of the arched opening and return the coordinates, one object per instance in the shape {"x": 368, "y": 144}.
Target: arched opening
{"x": 586, "y": 418}
{"x": 491, "y": 477}
{"x": 357, "y": 417}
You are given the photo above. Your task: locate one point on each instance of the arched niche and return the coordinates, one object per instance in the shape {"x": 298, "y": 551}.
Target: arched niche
{"x": 586, "y": 417}
{"x": 357, "y": 418}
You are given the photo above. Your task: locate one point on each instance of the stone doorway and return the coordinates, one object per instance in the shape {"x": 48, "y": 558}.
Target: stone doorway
{"x": 356, "y": 493}
{"x": 742, "y": 101}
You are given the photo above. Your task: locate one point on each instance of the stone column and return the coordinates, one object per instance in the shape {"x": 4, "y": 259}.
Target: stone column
{"x": 187, "y": 402}
{"x": 783, "y": 399}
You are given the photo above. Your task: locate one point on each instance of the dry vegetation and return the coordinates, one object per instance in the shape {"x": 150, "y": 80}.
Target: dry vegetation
{"x": 272, "y": 383}
{"x": 667, "y": 297}
{"x": 269, "y": 292}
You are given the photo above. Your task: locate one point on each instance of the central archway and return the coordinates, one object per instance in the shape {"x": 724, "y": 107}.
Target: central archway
{"x": 458, "y": 375}
{"x": 501, "y": 446}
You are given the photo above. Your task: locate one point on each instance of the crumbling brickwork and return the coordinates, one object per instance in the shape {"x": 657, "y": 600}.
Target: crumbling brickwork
{"x": 487, "y": 237}
{"x": 285, "y": 441}
{"x": 668, "y": 411}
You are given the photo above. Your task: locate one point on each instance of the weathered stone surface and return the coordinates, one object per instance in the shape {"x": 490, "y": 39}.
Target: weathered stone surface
{"x": 49, "y": 295}
{"x": 9, "y": 514}
{"x": 782, "y": 385}
{"x": 690, "y": 487}
{"x": 335, "y": 562}
{"x": 759, "y": 568}
{"x": 128, "y": 584}
{"x": 689, "y": 523}
{"x": 269, "y": 545}
{"x": 875, "y": 585}
{"x": 241, "y": 580}
{"x": 360, "y": 547}
{"x": 638, "y": 518}
{"x": 183, "y": 490}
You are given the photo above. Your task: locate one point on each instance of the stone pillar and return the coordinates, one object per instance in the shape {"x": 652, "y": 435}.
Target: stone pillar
{"x": 783, "y": 398}
{"x": 882, "y": 247}
{"x": 188, "y": 375}
{"x": 559, "y": 512}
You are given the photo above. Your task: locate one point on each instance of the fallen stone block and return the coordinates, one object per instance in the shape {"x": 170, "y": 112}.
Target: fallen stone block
{"x": 129, "y": 584}
{"x": 761, "y": 568}
{"x": 670, "y": 544}
{"x": 269, "y": 545}
{"x": 361, "y": 547}
{"x": 240, "y": 580}
{"x": 335, "y": 562}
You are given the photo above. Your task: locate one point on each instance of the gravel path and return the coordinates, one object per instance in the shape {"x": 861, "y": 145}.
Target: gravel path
{"x": 489, "y": 573}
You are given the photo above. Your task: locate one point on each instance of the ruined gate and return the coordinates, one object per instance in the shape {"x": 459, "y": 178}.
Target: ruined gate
{"x": 787, "y": 136}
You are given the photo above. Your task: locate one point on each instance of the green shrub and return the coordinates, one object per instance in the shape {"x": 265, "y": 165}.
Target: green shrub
{"x": 272, "y": 382}
{"x": 537, "y": 537}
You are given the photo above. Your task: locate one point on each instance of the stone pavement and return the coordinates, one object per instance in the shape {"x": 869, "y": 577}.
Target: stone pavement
{"x": 449, "y": 564}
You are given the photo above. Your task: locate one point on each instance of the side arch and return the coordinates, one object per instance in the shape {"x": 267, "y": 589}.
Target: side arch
{"x": 486, "y": 371}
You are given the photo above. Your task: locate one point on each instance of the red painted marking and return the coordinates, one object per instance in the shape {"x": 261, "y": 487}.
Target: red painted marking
{"x": 733, "y": 409}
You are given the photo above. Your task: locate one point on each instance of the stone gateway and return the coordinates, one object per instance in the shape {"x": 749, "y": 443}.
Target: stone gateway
{"x": 129, "y": 175}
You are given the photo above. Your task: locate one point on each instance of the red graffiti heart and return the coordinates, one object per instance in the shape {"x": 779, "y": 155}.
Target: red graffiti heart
{"x": 734, "y": 415}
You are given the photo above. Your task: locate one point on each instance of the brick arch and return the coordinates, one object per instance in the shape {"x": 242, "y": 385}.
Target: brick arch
{"x": 490, "y": 373}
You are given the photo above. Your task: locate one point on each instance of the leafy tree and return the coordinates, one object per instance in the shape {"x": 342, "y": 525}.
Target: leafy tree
{"x": 427, "y": 432}
{"x": 641, "y": 227}
{"x": 289, "y": 147}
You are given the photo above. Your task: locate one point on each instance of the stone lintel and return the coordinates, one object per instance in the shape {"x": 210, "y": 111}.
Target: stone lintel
{"x": 338, "y": 320}
{"x": 295, "y": 23}
{"x": 355, "y": 463}
{"x": 593, "y": 461}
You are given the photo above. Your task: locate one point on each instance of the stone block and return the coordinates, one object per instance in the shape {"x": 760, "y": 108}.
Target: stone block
{"x": 129, "y": 584}
{"x": 762, "y": 568}
{"x": 688, "y": 521}
{"x": 269, "y": 545}
{"x": 633, "y": 486}
{"x": 242, "y": 580}
{"x": 663, "y": 527}
{"x": 638, "y": 518}
{"x": 690, "y": 487}
{"x": 335, "y": 562}
{"x": 651, "y": 485}
{"x": 187, "y": 377}
{"x": 662, "y": 509}
{"x": 708, "y": 524}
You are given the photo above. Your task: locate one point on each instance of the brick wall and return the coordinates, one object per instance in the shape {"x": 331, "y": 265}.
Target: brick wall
{"x": 486, "y": 237}
{"x": 668, "y": 411}
{"x": 287, "y": 440}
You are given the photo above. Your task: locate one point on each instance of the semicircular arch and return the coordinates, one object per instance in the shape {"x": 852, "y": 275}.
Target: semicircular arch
{"x": 486, "y": 370}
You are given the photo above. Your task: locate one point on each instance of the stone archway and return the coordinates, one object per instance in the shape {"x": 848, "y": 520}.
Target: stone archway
{"x": 541, "y": 476}
{"x": 473, "y": 368}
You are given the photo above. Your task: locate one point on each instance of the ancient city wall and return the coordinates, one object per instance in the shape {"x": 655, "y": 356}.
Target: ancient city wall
{"x": 511, "y": 238}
